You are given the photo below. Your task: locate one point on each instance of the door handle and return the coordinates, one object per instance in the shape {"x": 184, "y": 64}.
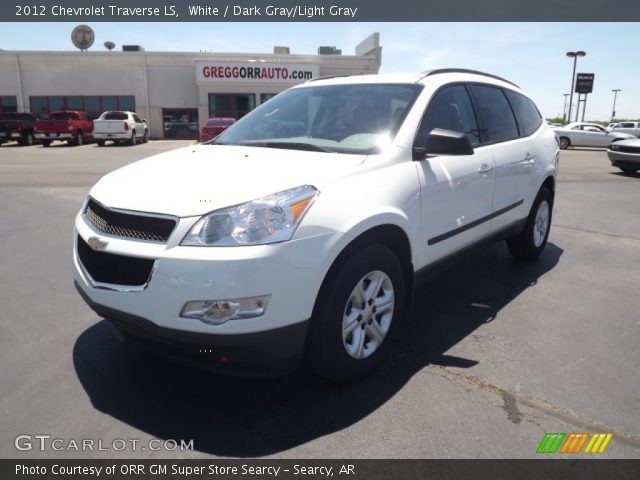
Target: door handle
{"x": 485, "y": 168}
{"x": 528, "y": 157}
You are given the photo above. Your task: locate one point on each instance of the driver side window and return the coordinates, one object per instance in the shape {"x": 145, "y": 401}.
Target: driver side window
{"x": 450, "y": 109}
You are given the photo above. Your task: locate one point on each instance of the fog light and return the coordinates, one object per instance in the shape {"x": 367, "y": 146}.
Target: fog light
{"x": 217, "y": 312}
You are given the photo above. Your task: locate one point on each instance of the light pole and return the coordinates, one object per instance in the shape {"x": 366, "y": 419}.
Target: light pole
{"x": 615, "y": 95}
{"x": 575, "y": 56}
{"x": 564, "y": 110}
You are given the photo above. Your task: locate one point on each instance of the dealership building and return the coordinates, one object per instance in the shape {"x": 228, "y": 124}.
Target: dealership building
{"x": 175, "y": 91}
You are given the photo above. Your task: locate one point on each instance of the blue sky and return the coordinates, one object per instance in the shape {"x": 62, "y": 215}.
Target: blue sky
{"x": 530, "y": 54}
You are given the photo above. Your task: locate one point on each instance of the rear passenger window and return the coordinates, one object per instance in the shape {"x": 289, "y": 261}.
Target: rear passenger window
{"x": 451, "y": 109}
{"x": 495, "y": 113}
{"x": 527, "y": 115}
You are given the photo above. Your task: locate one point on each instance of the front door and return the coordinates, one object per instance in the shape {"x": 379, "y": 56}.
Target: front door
{"x": 456, "y": 191}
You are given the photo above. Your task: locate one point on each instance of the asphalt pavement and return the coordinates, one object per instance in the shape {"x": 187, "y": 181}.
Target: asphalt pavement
{"x": 493, "y": 354}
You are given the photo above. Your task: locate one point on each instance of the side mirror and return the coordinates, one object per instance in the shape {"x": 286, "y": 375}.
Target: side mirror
{"x": 443, "y": 142}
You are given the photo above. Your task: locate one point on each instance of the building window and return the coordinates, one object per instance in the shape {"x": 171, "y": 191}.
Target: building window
{"x": 266, "y": 96}
{"x": 180, "y": 122}
{"x": 8, "y": 104}
{"x": 93, "y": 105}
{"x": 230, "y": 105}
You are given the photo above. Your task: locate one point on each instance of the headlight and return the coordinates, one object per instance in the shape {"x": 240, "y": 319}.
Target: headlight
{"x": 265, "y": 220}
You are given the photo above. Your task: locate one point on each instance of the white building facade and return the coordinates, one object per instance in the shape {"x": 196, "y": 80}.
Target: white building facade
{"x": 175, "y": 92}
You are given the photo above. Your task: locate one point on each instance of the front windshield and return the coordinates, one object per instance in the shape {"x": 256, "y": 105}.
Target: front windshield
{"x": 335, "y": 118}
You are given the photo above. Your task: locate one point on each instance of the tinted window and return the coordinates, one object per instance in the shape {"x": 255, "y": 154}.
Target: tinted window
{"x": 450, "y": 109}
{"x": 114, "y": 116}
{"x": 64, "y": 116}
{"x": 625, "y": 125}
{"x": 527, "y": 115}
{"x": 136, "y": 118}
{"x": 495, "y": 112}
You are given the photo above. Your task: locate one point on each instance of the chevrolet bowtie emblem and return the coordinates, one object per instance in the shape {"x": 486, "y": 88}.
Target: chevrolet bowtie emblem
{"x": 96, "y": 243}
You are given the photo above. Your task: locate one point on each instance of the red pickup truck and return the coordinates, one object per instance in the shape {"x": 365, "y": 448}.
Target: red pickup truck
{"x": 71, "y": 125}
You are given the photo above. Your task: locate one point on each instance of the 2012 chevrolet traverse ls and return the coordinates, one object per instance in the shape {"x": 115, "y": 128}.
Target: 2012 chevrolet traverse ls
{"x": 298, "y": 232}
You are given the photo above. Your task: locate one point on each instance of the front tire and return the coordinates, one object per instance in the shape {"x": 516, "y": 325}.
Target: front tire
{"x": 357, "y": 312}
{"x": 530, "y": 242}
{"x": 27, "y": 139}
{"x": 628, "y": 169}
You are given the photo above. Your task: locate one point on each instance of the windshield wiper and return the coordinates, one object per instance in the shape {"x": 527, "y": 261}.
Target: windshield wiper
{"x": 289, "y": 145}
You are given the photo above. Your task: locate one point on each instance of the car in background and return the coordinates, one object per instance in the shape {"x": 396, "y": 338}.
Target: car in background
{"x": 73, "y": 126}
{"x": 214, "y": 127}
{"x": 626, "y": 127}
{"x": 581, "y": 134}
{"x": 17, "y": 126}
{"x": 625, "y": 155}
{"x": 120, "y": 127}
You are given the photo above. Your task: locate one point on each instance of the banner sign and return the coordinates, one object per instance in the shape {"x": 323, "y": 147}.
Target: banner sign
{"x": 317, "y": 11}
{"x": 254, "y": 72}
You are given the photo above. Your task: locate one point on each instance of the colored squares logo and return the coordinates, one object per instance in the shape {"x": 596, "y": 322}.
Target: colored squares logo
{"x": 574, "y": 442}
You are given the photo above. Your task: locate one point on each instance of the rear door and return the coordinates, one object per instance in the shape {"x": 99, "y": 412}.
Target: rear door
{"x": 456, "y": 191}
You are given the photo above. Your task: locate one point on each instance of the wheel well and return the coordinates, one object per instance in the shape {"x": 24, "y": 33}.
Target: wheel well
{"x": 550, "y": 184}
{"x": 391, "y": 236}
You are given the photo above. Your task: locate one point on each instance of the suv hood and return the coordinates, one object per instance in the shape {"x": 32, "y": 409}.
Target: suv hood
{"x": 196, "y": 180}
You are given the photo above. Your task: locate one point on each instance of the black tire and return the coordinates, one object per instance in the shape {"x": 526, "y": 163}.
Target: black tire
{"x": 100, "y": 143}
{"x": 132, "y": 140}
{"x": 628, "y": 169}
{"x": 145, "y": 139}
{"x": 564, "y": 143}
{"x": 46, "y": 143}
{"x": 27, "y": 139}
{"x": 527, "y": 245}
{"x": 326, "y": 352}
{"x": 78, "y": 140}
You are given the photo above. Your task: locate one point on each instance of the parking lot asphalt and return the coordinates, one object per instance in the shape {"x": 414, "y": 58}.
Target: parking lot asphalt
{"x": 492, "y": 355}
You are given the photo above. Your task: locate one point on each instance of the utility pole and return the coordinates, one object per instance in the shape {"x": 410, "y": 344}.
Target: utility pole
{"x": 615, "y": 95}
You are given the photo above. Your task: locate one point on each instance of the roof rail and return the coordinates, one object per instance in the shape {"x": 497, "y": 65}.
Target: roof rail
{"x": 327, "y": 77}
{"x": 428, "y": 73}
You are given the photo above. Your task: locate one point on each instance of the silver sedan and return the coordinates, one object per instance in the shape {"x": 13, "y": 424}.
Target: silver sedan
{"x": 580, "y": 134}
{"x": 625, "y": 155}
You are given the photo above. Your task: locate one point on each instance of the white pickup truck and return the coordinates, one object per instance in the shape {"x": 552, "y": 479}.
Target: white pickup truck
{"x": 626, "y": 127}
{"x": 120, "y": 127}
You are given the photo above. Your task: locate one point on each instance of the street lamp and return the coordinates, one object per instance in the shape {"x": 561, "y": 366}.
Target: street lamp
{"x": 575, "y": 56}
{"x": 615, "y": 95}
{"x": 564, "y": 110}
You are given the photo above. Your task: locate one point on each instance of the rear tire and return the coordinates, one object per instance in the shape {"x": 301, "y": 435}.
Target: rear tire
{"x": 357, "y": 313}
{"x": 46, "y": 143}
{"x": 78, "y": 140}
{"x": 100, "y": 143}
{"x": 530, "y": 242}
{"x": 132, "y": 140}
{"x": 564, "y": 143}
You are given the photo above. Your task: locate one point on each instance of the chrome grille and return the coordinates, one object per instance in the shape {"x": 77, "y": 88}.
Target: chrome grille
{"x": 128, "y": 225}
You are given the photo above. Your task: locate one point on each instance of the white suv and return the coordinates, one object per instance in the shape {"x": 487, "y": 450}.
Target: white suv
{"x": 297, "y": 233}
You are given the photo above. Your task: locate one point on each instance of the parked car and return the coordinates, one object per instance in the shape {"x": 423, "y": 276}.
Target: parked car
{"x": 72, "y": 126}
{"x": 300, "y": 231}
{"x": 581, "y": 134}
{"x": 120, "y": 127}
{"x": 214, "y": 127}
{"x": 632, "y": 128}
{"x": 625, "y": 155}
{"x": 17, "y": 126}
